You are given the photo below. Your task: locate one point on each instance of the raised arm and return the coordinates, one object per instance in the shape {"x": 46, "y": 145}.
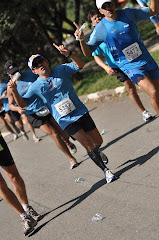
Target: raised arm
{"x": 64, "y": 50}
{"x": 14, "y": 95}
{"x": 154, "y": 7}
{"x": 86, "y": 49}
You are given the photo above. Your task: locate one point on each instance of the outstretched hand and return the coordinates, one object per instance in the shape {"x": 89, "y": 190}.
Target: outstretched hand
{"x": 12, "y": 84}
{"x": 62, "y": 49}
{"x": 78, "y": 33}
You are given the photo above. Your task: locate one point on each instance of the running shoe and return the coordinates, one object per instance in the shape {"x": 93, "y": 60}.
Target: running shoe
{"x": 28, "y": 224}
{"x": 147, "y": 116}
{"x": 33, "y": 214}
{"x": 73, "y": 163}
{"x": 15, "y": 136}
{"x": 109, "y": 176}
{"x": 72, "y": 148}
{"x": 36, "y": 139}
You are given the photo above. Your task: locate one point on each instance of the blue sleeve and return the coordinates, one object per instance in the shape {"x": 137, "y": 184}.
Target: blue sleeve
{"x": 142, "y": 3}
{"x": 30, "y": 93}
{"x": 137, "y": 14}
{"x": 69, "y": 68}
{"x": 155, "y": 19}
{"x": 98, "y": 36}
{"x": 97, "y": 52}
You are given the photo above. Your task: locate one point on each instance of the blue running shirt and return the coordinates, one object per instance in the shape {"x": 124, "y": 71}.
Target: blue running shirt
{"x": 58, "y": 94}
{"x": 103, "y": 49}
{"x": 3, "y": 87}
{"x": 123, "y": 38}
{"x": 28, "y": 77}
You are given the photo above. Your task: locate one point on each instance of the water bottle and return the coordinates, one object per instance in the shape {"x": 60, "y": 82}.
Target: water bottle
{"x": 81, "y": 29}
{"x": 16, "y": 76}
{"x": 97, "y": 217}
{"x": 79, "y": 180}
{"x": 103, "y": 132}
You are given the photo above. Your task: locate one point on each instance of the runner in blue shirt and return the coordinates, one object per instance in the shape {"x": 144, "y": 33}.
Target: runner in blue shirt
{"x": 118, "y": 29}
{"x": 94, "y": 17}
{"x": 12, "y": 117}
{"x": 38, "y": 114}
{"x": 154, "y": 19}
{"x": 54, "y": 87}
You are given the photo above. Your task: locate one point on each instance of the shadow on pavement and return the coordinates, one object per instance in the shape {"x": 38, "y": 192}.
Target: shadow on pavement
{"x": 137, "y": 161}
{"x": 77, "y": 200}
{"x": 127, "y": 133}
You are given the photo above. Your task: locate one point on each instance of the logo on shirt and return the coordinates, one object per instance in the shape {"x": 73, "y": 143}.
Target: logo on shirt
{"x": 127, "y": 25}
{"x": 113, "y": 31}
{"x": 121, "y": 32}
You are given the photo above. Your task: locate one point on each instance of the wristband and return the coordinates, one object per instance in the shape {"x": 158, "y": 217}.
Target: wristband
{"x": 106, "y": 67}
{"x": 69, "y": 55}
{"x": 80, "y": 40}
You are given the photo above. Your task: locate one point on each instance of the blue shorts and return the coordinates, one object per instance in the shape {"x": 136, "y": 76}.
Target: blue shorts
{"x": 150, "y": 70}
{"x": 155, "y": 19}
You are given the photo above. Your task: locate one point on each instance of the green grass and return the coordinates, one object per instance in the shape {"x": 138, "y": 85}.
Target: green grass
{"x": 94, "y": 81}
{"x": 146, "y": 29}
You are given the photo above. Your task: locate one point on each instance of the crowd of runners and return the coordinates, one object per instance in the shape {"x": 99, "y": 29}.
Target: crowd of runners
{"x": 44, "y": 97}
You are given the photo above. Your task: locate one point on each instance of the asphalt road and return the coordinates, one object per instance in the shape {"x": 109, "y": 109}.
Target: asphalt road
{"x": 129, "y": 206}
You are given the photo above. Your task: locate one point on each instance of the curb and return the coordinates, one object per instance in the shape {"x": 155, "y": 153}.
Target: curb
{"x": 103, "y": 93}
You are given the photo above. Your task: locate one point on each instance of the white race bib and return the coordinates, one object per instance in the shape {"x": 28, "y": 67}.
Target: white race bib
{"x": 65, "y": 107}
{"x": 133, "y": 51}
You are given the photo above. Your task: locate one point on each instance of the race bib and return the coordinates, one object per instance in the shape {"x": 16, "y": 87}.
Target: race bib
{"x": 133, "y": 51}
{"x": 43, "y": 112}
{"x": 65, "y": 107}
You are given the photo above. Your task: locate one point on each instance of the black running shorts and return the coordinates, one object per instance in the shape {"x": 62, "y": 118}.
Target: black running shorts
{"x": 85, "y": 122}
{"x": 37, "y": 121}
{"x": 121, "y": 76}
{"x": 15, "y": 116}
{"x": 6, "y": 158}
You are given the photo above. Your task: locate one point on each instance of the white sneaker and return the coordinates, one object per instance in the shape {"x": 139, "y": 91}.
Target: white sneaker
{"x": 146, "y": 116}
{"x": 28, "y": 224}
{"x": 109, "y": 176}
{"x": 36, "y": 139}
{"x": 15, "y": 136}
{"x": 73, "y": 164}
{"x": 72, "y": 148}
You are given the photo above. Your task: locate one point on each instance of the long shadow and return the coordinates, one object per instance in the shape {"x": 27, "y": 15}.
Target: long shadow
{"x": 127, "y": 133}
{"x": 137, "y": 161}
{"x": 77, "y": 200}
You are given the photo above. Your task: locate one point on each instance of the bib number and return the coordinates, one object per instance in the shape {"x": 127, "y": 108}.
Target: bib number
{"x": 132, "y": 52}
{"x": 65, "y": 107}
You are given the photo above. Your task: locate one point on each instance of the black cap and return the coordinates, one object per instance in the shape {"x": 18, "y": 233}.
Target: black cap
{"x": 11, "y": 67}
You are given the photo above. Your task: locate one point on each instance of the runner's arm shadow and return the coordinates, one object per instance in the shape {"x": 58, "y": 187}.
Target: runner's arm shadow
{"x": 137, "y": 161}
{"x": 77, "y": 200}
{"x": 127, "y": 133}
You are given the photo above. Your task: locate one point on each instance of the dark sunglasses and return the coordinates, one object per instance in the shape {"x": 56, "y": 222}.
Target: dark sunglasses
{"x": 106, "y": 5}
{"x": 36, "y": 64}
